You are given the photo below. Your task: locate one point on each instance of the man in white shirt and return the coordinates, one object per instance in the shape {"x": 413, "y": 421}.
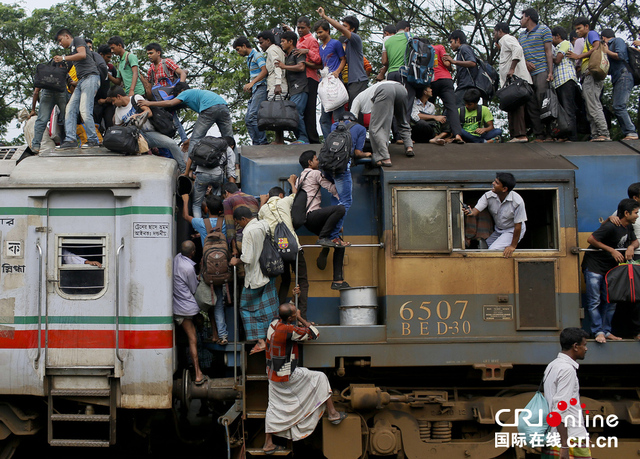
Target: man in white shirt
{"x": 512, "y": 62}
{"x": 276, "y": 77}
{"x": 562, "y": 391}
{"x": 259, "y": 300}
{"x": 508, "y": 212}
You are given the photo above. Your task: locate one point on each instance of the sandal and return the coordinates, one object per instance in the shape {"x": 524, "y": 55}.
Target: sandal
{"x": 385, "y": 163}
{"x": 343, "y": 416}
{"x": 601, "y": 138}
{"x": 437, "y": 141}
{"x": 631, "y": 137}
{"x": 202, "y": 381}
{"x": 278, "y": 448}
{"x": 340, "y": 243}
{"x": 222, "y": 341}
{"x": 410, "y": 152}
{"x": 339, "y": 285}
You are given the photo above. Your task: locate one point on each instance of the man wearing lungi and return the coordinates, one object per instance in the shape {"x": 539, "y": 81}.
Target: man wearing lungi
{"x": 259, "y": 300}
{"x": 297, "y": 396}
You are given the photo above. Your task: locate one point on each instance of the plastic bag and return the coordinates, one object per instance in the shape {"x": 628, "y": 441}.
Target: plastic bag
{"x": 537, "y": 409}
{"x": 332, "y": 92}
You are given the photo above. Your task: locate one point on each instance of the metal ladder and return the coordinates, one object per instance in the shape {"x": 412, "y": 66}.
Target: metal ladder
{"x": 93, "y": 425}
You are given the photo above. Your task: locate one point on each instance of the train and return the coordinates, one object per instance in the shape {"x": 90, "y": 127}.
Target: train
{"x": 459, "y": 335}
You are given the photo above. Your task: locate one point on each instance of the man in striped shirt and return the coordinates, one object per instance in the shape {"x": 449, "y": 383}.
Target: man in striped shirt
{"x": 565, "y": 80}
{"x": 536, "y": 44}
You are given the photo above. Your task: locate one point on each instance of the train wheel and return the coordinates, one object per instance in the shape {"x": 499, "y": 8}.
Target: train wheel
{"x": 9, "y": 446}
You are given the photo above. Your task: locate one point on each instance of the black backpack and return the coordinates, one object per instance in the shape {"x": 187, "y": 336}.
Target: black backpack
{"x": 634, "y": 63}
{"x": 336, "y": 150}
{"x": 461, "y": 110}
{"x": 210, "y": 152}
{"x": 299, "y": 208}
{"x": 51, "y": 76}
{"x": 122, "y": 139}
{"x": 271, "y": 262}
{"x": 161, "y": 120}
{"x": 101, "y": 64}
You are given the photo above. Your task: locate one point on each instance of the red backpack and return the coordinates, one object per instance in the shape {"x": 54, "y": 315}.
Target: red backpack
{"x": 215, "y": 255}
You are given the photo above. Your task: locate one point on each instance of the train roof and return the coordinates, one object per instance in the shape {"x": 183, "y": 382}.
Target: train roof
{"x": 605, "y": 149}
{"x": 87, "y": 168}
{"x": 452, "y": 157}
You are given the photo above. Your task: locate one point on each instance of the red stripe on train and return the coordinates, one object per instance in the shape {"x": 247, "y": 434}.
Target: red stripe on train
{"x": 89, "y": 339}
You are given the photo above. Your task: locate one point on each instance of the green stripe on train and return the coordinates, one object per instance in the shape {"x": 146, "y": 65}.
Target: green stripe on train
{"x": 97, "y": 320}
{"x": 88, "y": 212}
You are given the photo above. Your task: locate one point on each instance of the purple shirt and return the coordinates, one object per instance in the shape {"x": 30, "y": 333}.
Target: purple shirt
{"x": 185, "y": 284}
{"x": 331, "y": 54}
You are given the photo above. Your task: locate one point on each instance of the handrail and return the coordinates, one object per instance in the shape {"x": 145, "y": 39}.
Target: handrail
{"x": 576, "y": 250}
{"x": 235, "y": 324}
{"x": 379, "y": 245}
{"x": 118, "y": 300}
{"x": 39, "y": 302}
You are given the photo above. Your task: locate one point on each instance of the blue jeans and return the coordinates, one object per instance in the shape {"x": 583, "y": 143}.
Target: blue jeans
{"x": 178, "y": 125}
{"x": 48, "y": 100}
{"x": 82, "y": 101}
{"x": 218, "y": 312}
{"x": 621, "y": 92}
{"x": 301, "y": 103}
{"x": 258, "y": 96}
{"x": 157, "y": 140}
{"x": 203, "y": 180}
{"x": 344, "y": 187}
{"x": 468, "y": 137}
{"x": 218, "y": 115}
{"x": 600, "y": 312}
{"x": 326, "y": 122}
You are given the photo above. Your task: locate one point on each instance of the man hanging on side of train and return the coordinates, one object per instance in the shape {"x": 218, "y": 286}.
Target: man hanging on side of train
{"x": 608, "y": 238}
{"x": 508, "y": 212}
{"x": 297, "y": 396}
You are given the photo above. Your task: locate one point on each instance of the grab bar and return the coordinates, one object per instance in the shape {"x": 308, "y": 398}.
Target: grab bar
{"x": 118, "y": 300}
{"x": 39, "y": 303}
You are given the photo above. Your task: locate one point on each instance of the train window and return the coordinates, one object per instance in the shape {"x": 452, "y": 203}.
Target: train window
{"x": 542, "y": 220}
{"x": 81, "y": 266}
{"x": 421, "y": 220}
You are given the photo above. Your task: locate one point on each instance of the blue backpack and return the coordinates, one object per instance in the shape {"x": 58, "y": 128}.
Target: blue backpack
{"x": 419, "y": 58}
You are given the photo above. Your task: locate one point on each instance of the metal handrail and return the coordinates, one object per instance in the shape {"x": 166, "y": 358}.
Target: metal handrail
{"x": 39, "y": 303}
{"x": 379, "y": 245}
{"x": 576, "y": 250}
{"x": 235, "y": 324}
{"x": 118, "y": 300}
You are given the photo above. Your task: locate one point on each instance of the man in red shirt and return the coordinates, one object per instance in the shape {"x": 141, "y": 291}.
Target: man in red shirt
{"x": 442, "y": 87}
{"x": 291, "y": 385}
{"x": 307, "y": 45}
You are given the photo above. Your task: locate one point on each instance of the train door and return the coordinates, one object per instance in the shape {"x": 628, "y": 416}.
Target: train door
{"x": 80, "y": 314}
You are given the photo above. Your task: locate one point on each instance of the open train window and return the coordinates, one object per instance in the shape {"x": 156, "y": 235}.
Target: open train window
{"x": 542, "y": 223}
{"x": 421, "y": 220}
{"x": 81, "y": 265}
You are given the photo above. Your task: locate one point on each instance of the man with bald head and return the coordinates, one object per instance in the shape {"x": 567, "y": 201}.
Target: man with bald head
{"x": 297, "y": 396}
{"x": 185, "y": 307}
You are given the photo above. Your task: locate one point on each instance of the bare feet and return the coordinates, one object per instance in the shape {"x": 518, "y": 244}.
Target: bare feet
{"x": 437, "y": 141}
{"x": 600, "y": 338}
{"x": 613, "y": 337}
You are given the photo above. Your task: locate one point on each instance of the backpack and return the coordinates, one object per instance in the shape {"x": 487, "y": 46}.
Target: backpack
{"x": 622, "y": 283}
{"x": 419, "y": 58}
{"x": 161, "y": 120}
{"x": 101, "y": 64}
{"x": 486, "y": 80}
{"x": 215, "y": 255}
{"x": 461, "y": 110}
{"x": 277, "y": 34}
{"x": 210, "y": 152}
{"x": 299, "y": 208}
{"x": 283, "y": 237}
{"x": 336, "y": 150}
{"x": 271, "y": 262}
{"x": 634, "y": 64}
{"x": 122, "y": 139}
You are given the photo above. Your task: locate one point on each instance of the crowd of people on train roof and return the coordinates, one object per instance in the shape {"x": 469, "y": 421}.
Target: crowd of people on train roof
{"x": 390, "y": 105}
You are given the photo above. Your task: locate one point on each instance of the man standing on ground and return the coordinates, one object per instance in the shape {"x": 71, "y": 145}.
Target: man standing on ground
{"x": 508, "y": 213}
{"x": 591, "y": 88}
{"x": 308, "y": 47}
{"x": 561, "y": 386}
{"x": 257, "y": 86}
{"x": 185, "y": 307}
{"x": 259, "y": 300}
{"x": 538, "y": 53}
{"x": 608, "y": 239}
{"x": 82, "y": 99}
{"x": 512, "y": 63}
{"x": 357, "y": 79}
{"x": 297, "y": 396}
